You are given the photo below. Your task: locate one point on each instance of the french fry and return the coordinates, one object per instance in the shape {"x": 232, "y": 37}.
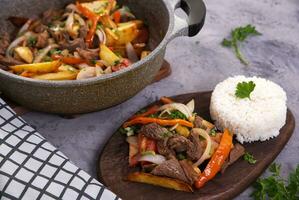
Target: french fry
{"x": 141, "y": 177}
{"x": 107, "y": 55}
{"x": 37, "y": 68}
{"x": 62, "y": 75}
{"x": 125, "y": 34}
{"x": 107, "y": 22}
{"x": 25, "y": 53}
{"x": 138, "y": 23}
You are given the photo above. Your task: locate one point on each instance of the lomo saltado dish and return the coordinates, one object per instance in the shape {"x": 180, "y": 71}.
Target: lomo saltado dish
{"x": 83, "y": 40}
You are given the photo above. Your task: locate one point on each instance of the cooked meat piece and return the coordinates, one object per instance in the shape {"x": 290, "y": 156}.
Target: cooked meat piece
{"x": 42, "y": 39}
{"x": 234, "y": 155}
{"x": 165, "y": 150}
{"x": 189, "y": 171}
{"x": 155, "y": 131}
{"x": 198, "y": 122}
{"x": 179, "y": 143}
{"x": 38, "y": 27}
{"x": 88, "y": 54}
{"x": 73, "y": 45}
{"x": 9, "y": 61}
{"x": 196, "y": 150}
{"x": 17, "y": 21}
{"x": 170, "y": 168}
{"x": 4, "y": 42}
{"x": 51, "y": 15}
{"x": 83, "y": 31}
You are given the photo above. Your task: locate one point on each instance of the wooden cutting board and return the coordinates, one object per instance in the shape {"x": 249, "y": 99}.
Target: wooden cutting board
{"x": 113, "y": 164}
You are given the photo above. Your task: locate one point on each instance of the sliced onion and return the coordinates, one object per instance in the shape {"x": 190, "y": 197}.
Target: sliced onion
{"x": 174, "y": 127}
{"x": 164, "y": 111}
{"x": 44, "y": 52}
{"x": 157, "y": 159}
{"x": 206, "y": 153}
{"x": 177, "y": 106}
{"x": 25, "y": 27}
{"x": 101, "y": 35}
{"x": 13, "y": 45}
{"x": 133, "y": 140}
{"x": 191, "y": 105}
{"x": 85, "y": 73}
{"x": 79, "y": 19}
{"x": 69, "y": 25}
{"x": 131, "y": 52}
{"x": 72, "y": 7}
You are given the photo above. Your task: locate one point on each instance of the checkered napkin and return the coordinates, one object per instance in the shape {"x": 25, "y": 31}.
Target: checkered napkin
{"x": 31, "y": 168}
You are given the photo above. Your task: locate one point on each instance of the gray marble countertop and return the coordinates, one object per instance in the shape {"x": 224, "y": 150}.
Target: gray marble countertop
{"x": 198, "y": 64}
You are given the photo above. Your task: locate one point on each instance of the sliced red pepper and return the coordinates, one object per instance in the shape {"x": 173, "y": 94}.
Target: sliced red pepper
{"x": 68, "y": 60}
{"x": 217, "y": 160}
{"x": 146, "y": 144}
{"x": 94, "y": 20}
{"x": 116, "y": 16}
{"x": 166, "y": 100}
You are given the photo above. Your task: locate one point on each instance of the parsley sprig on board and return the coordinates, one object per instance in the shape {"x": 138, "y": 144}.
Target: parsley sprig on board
{"x": 244, "y": 89}
{"x": 238, "y": 35}
{"x": 249, "y": 158}
{"x": 276, "y": 187}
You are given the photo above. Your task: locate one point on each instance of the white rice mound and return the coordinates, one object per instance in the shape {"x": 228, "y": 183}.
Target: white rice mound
{"x": 258, "y": 118}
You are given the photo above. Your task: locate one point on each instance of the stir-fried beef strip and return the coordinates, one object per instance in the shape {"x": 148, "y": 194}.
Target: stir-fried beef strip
{"x": 195, "y": 151}
{"x": 83, "y": 31}
{"x": 189, "y": 171}
{"x": 9, "y": 61}
{"x": 155, "y": 131}
{"x": 72, "y": 45}
{"x": 170, "y": 168}
{"x": 38, "y": 27}
{"x": 234, "y": 155}
{"x": 42, "y": 39}
{"x": 165, "y": 150}
{"x": 4, "y": 42}
{"x": 198, "y": 122}
{"x": 179, "y": 143}
{"x": 88, "y": 54}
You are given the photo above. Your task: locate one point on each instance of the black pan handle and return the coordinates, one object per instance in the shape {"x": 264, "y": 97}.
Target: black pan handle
{"x": 196, "y": 12}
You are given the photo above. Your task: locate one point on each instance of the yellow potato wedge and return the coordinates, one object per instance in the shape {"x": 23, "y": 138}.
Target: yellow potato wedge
{"x": 37, "y": 68}
{"x": 25, "y": 54}
{"x": 107, "y": 55}
{"x": 138, "y": 23}
{"x": 65, "y": 67}
{"x": 141, "y": 177}
{"x": 125, "y": 34}
{"x": 58, "y": 76}
{"x": 182, "y": 130}
{"x": 107, "y": 22}
{"x": 101, "y": 7}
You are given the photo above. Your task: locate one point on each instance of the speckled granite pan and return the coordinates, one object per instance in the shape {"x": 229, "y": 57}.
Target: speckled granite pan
{"x": 72, "y": 97}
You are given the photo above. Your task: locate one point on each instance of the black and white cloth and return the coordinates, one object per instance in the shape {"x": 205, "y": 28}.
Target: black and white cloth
{"x": 31, "y": 168}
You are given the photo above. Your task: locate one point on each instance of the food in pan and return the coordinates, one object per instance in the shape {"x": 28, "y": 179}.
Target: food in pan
{"x": 83, "y": 40}
{"x": 251, "y": 116}
{"x": 171, "y": 146}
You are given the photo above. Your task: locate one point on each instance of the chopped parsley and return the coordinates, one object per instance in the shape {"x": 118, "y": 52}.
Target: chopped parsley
{"x": 55, "y": 51}
{"x": 239, "y": 34}
{"x": 117, "y": 62}
{"x": 213, "y": 132}
{"x": 249, "y": 158}
{"x": 31, "y": 41}
{"x": 244, "y": 89}
{"x": 277, "y": 187}
{"x": 181, "y": 156}
{"x": 177, "y": 115}
{"x": 167, "y": 134}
